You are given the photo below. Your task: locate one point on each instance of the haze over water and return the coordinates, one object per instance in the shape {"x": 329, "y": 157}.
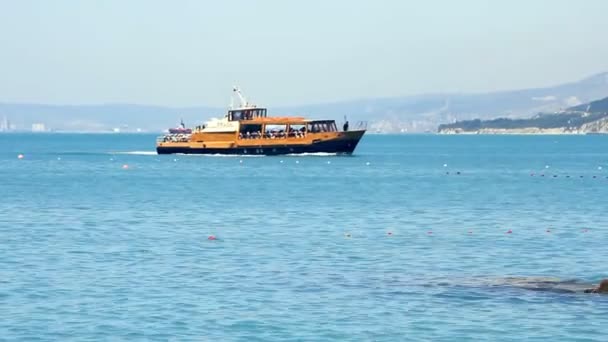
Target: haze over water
{"x": 93, "y": 251}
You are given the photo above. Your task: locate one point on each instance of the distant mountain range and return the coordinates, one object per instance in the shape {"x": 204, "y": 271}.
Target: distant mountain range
{"x": 417, "y": 113}
{"x": 582, "y": 119}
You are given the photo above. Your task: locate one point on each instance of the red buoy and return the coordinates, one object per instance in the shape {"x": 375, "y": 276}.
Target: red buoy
{"x": 509, "y": 231}
{"x": 211, "y": 237}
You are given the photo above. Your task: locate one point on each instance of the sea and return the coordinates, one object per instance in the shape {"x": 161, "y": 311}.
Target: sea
{"x": 412, "y": 238}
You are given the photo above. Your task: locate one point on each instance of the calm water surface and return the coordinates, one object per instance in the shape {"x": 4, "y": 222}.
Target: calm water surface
{"x": 384, "y": 245}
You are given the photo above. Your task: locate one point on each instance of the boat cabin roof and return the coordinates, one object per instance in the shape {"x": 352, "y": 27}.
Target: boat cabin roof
{"x": 258, "y": 115}
{"x": 247, "y": 113}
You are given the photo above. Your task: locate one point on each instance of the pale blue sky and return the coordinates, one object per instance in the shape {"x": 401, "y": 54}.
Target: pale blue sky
{"x": 183, "y": 53}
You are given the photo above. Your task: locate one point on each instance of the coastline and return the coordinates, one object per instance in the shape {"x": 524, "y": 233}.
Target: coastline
{"x": 521, "y": 131}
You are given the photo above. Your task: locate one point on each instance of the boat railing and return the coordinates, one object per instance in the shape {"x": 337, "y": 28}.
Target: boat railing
{"x": 361, "y": 125}
{"x": 180, "y": 137}
{"x": 272, "y": 135}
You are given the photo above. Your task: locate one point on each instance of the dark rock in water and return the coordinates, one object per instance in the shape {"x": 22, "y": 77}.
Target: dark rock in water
{"x": 541, "y": 284}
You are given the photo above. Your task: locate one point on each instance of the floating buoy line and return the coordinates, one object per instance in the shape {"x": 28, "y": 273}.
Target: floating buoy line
{"x": 539, "y": 174}
{"x": 431, "y": 233}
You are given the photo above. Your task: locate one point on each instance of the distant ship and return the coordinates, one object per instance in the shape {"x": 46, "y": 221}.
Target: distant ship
{"x": 181, "y": 129}
{"x": 247, "y": 130}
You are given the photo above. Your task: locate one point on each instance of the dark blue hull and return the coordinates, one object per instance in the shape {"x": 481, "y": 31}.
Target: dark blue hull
{"x": 338, "y": 146}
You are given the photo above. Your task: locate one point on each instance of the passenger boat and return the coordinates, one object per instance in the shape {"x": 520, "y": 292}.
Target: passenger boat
{"x": 248, "y": 130}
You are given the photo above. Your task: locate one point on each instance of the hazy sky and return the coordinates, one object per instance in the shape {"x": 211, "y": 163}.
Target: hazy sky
{"x": 281, "y": 52}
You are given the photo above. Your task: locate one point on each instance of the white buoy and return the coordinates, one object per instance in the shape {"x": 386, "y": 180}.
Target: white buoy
{"x": 20, "y": 156}
{"x": 58, "y": 158}
{"x": 546, "y": 166}
{"x": 445, "y": 165}
{"x": 297, "y": 162}
{"x": 125, "y": 166}
{"x": 241, "y": 161}
{"x": 329, "y": 162}
{"x": 281, "y": 162}
{"x": 174, "y": 160}
{"x": 599, "y": 167}
{"x": 367, "y": 163}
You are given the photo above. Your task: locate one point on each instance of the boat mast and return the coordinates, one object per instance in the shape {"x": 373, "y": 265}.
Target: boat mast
{"x": 238, "y": 93}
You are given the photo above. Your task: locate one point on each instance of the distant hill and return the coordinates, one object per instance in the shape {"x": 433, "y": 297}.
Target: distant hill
{"x": 599, "y": 106}
{"x": 585, "y": 118}
{"x": 425, "y": 112}
{"x": 415, "y": 113}
{"x": 106, "y": 117}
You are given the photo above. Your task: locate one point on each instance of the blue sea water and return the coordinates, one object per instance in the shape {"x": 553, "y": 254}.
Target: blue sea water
{"x": 389, "y": 244}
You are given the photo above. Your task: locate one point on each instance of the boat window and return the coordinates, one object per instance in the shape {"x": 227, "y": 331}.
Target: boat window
{"x": 322, "y": 126}
{"x": 235, "y": 115}
{"x": 297, "y": 131}
{"x": 275, "y": 131}
{"x": 250, "y": 132}
{"x": 312, "y": 127}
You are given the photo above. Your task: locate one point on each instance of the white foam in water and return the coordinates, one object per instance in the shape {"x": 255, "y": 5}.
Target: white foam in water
{"x": 224, "y": 155}
{"x": 316, "y": 154}
{"x": 138, "y": 153}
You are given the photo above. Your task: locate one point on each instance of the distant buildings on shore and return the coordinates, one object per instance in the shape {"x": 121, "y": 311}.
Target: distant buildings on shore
{"x": 39, "y": 127}
{"x": 6, "y": 126}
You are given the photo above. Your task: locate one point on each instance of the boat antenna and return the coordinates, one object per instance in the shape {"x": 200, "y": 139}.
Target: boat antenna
{"x": 236, "y": 90}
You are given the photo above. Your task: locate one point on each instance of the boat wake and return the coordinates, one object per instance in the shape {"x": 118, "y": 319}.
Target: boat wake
{"x": 219, "y": 155}
{"x": 138, "y": 153}
{"x": 313, "y": 154}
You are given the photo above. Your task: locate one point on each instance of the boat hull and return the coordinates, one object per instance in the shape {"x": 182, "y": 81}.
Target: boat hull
{"x": 345, "y": 145}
